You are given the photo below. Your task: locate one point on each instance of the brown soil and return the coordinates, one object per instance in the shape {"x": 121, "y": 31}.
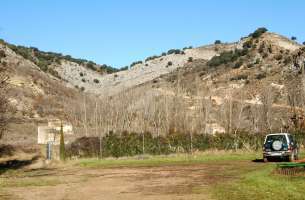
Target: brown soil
{"x": 167, "y": 182}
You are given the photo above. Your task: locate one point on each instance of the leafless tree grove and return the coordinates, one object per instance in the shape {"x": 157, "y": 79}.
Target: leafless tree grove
{"x": 177, "y": 110}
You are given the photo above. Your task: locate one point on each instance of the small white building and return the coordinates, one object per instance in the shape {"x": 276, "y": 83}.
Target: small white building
{"x": 51, "y": 132}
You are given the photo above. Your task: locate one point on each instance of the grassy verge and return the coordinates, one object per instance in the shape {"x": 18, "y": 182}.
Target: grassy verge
{"x": 262, "y": 184}
{"x": 179, "y": 159}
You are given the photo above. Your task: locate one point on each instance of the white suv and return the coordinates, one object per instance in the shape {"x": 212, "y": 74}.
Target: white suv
{"x": 280, "y": 145}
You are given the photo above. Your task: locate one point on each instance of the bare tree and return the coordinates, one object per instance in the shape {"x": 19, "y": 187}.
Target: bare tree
{"x": 238, "y": 109}
{"x": 295, "y": 97}
{"x": 4, "y": 103}
{"x": 267, "y": 98}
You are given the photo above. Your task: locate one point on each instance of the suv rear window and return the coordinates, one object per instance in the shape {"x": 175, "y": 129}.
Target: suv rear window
{"x": 291, "y": 138}
{"x": 272, "y": 138}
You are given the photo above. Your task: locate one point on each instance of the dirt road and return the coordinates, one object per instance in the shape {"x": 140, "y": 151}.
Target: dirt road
{"x": 166, "y": 182}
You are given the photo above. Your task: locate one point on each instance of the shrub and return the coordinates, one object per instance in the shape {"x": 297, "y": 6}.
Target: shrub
{"x": 303, "y": 43}
{"x": 130, "y": 144}
{"x": 278, "y": 57}
{"x": 185, "y": 48}
{"x": 96, "y": 81}
{"x": 227, "y": 57}
{"x": 109, "y": 69}
{"x": 265, "y": 55}
{"x": 190, "y": 59}
{"x": 84, "y": 147}
{"x": 247, "y": 44}
{"x": 174, "y": 51}
{"x": 258, "y": 32}
{"x": 163, "y": 54}
{"x": 250, "y": 65}
{"x": 239, "y": 77}
{"x": 170, "y": 63}
{"x": 82, "y": 89}
{"x": 261, "y": 48}
{"x": 90, "y": 65}
{"x": 2, "y": 54}
{"x": 238, "y": 64}
{"x": 151, "y": 58}
{"x": 83, "y": 80}
{"x": 270, "y": 49}
{"x": 81, "y": 74}
{"x": 287, "y": 60}
{"x": 293, "y": 38}
{"x": 136, "y": 63}
{"x": 124, "y": 68}
{"x": 261, "y": 76}
{"x": 54, "y": 73}
{"x": 43, "y": 65}
{"x": 217, "y": 42}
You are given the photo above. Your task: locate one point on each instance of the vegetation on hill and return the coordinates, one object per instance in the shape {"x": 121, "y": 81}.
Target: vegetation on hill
{"x": 136, "y": 63}
{"x": 169, "y": 52}
{"x": 217, "y": 42}
{"x": 189, "y": 47}
{"x": 151, "y": 58}
{"x": 258, "y": 32}
{"x": 44, "y": 59}
{"x": 227, "y": 57}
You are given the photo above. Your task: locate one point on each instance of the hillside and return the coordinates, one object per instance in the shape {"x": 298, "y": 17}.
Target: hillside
{"x": 36, "y": 94}
{"x": 256, "y": 87}
{"x": 154, "y": 67}
{"x": 252, "y": 85}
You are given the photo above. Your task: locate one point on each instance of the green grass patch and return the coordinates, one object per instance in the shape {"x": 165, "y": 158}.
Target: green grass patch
{"x": 262, "y": 184}
{"x": 179, "y": 159}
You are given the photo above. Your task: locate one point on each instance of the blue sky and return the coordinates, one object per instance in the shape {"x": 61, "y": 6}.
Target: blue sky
{"x": 118, "y": 32}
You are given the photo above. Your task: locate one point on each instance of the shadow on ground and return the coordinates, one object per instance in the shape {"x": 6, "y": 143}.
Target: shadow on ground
{"x": 269, "y": 160}
{"x": 16, "y": 164}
